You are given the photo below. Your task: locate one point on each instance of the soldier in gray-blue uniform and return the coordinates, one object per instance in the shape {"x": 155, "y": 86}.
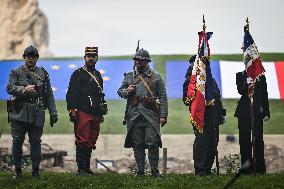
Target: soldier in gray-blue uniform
{"x": 31, "y": 93}
{"x": 147, "y": 110}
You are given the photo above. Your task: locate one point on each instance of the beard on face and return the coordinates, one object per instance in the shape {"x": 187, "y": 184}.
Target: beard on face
{"x": 90, "y": 63}
{"x": 141, "y": 66}
{"x": 31, "y": 63}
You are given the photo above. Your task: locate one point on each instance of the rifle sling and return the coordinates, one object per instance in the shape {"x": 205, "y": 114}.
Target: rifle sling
{"x": 146, "y": 85}
{"x": 34, "y": 74}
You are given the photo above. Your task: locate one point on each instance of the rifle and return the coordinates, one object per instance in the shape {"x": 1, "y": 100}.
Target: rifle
{"x": 128, "y": 99}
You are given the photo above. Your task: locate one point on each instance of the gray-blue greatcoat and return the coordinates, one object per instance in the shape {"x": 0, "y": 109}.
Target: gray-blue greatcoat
{"x": 23, "y": 111}
{"x": 157, "y": 86}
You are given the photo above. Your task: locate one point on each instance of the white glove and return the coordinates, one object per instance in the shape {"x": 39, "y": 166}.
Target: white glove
{"x": 266, "y": 118}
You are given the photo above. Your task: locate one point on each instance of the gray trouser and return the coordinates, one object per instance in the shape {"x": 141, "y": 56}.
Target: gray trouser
{"x": 18, "y": 131}
{"x": 143, "y": 135}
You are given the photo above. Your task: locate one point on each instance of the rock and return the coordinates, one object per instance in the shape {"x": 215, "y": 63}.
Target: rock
{"x": 124, "y": 165}
{"x": 57, "y": 170}
{"x": 274, "y": 157}
{"x": 70, "y": 163}
{"x": 22, "y": 24}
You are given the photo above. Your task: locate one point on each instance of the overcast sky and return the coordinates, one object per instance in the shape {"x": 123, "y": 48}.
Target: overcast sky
{"x": 163, "y": 26}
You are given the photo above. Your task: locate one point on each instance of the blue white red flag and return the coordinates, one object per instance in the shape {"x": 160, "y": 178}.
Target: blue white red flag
{"x": 199, "y": 92}
{"x": 252, "y": 60}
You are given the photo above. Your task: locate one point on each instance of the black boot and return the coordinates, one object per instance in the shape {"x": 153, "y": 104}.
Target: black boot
{"x": 17, "y": 153}
{"x": 80, "y": 159}
{"x": 35, "y": 172}
{"x": 139, "y": 155}
{"x": 87, "y": 167}
{"x": 18, "y": 172}
{"x": 153, "y": 156}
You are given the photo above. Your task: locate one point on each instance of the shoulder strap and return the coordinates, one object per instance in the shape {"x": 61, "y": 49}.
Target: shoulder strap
{"x": 34, "y": 74}
{"x": 97, "y": 82}
{"x": 146, "y": 85}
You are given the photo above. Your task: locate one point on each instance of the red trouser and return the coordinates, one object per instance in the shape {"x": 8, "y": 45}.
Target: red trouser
{"x": 87, "y": 130}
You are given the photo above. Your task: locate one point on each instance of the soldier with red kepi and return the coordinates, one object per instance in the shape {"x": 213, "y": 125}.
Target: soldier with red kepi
{"x": 86, "y": 106}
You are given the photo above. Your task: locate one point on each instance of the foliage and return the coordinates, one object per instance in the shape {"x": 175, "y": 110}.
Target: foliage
{"x": 6, "y": 163}
{"x": 232, "y": 163}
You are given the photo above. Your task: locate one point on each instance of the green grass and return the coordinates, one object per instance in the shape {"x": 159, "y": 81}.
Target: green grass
{"x": 178, "y": 121}
{"x": 70, "y": 180}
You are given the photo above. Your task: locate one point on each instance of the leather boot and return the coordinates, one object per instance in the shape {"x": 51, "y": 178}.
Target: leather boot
{"x": 153, "y": 156}
{"x": 80, "y": 160}
{"x": 139, "y": 155}
{"x": 35, "y": 172}
{"x": 18, "y": 172}
{"x": 87, "y": 167}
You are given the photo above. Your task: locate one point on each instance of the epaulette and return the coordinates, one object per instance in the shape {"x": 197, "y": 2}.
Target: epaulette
{"x": 78, "y": 70}
{"x": 127, "y": 73}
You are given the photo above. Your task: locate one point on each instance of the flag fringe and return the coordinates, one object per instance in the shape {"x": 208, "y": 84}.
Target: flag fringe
{"x": 199, "y": 128}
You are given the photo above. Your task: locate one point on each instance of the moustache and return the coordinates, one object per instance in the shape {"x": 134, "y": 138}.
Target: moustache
{"x": 91, "y": 61}
{"x": 31, "y": 62}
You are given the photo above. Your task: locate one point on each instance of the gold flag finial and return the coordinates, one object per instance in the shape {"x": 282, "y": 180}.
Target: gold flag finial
{"x": 204, "y": 26}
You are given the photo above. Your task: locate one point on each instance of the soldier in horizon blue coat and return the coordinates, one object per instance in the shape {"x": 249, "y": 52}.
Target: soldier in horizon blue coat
{"x": 143, "y": 88}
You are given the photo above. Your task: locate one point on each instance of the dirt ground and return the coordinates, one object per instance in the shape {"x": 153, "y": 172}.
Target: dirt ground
{"x": 179, "y": 148}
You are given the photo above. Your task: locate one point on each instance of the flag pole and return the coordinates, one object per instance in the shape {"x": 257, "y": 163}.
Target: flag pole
{"x": 217, "y": 128}
{"x": 204, "y": 26}
{"x": 252, "y": 116}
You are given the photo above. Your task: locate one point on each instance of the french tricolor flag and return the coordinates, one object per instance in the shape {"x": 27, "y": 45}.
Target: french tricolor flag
{"x": 199, "y": 91}
{"x": 252, "y": 61}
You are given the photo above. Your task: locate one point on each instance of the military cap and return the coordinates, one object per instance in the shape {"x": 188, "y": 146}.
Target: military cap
{"x": 31, "y": 50}
{"x": 91, "y": 50}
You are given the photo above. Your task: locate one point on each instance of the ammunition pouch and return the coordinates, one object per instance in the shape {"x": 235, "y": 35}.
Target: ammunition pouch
{"x": 148, "y": 102}
{"x": 134, "y": 100}
{"x": 151, "y": 104}
{"x": 10, "y": 104}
